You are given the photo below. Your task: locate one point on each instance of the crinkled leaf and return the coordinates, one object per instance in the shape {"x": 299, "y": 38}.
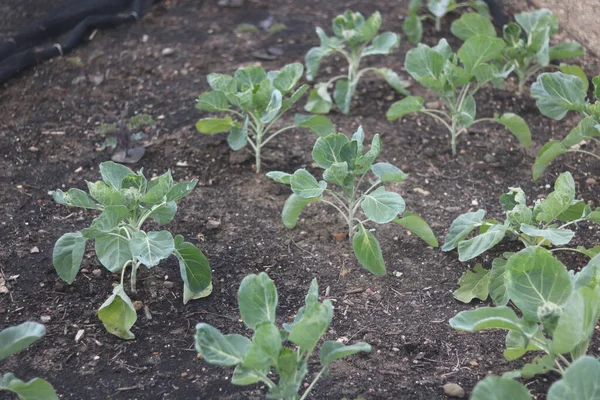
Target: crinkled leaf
{"x": 497, "y": 287}
{"x": 477, "y": 50}
{"x": 75, "y": 198}
{"x": 264, "y": 350}
{"x": 555, "y": 236}
{"x": 273, "y": 107}
{"x": 117, "y": 314}
{"x": 473, "y": 285}
{"x": 558, "y": 201}
{"x": 180, "y": 190}
{"x": 328, "y": 150}
{"x": 387, "y": 172}
{"x": 219, "y": 349}
{"x": 113, "y": 251}
{"x": 222, "y": 82}
{"x": 280, "y": 177}
{"x": 288, "y": 77}
{"x": 517, "y": 346}
{"x": 319, "y": 101}
{"x": 308, "y": 330}
{"x": 556, "y": 93}
{"x": 249, "y": 76}
{"x": 336, "y": 173}
{"x": 305, "y": 185}
{"x": 532, "y": 20}
{"x": 371, "y": 26}
{"x": 468, "y": 249}
{"x": 466, "y": 116}
{"x": 113, "y": 174}
{"x": 426, "y": 66}
{"x": 461, "y": 227}
{"x": 313, "y": 60}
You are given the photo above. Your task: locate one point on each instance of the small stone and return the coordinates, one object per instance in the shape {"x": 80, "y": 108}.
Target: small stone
{"x": 474, "y": 202}
{"x": 59, "y": 286}
{"x": 422, "y": 192}
{"x": 263, "y": 55}
{"x": 429, "y": 152}
{"x": 168, "y": 284}
{"x": 276, "y": 51}
{"x": 79, "y": 335}
{"x": 85, "y": 271}
{"x": 78, "y": 170}
{"x": 489, "y": 158}
{"x": 33, "y": 149}
{"x": 167, "y": 51}
{"x": 34, "y": 250}
{"x": 454, "y": 390}
{"x": 213, "y": 224}
{"x": 137, "y": 305}
{"x": 45, "y": 319}
{"x": 238, "y": 157}
{"x": 433, "y": 105}
{"x": 590, "y": 181}
{"x": 97, "y": 272}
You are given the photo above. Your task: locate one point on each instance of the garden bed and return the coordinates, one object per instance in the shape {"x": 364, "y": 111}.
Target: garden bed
{"x": 47, "y": 142}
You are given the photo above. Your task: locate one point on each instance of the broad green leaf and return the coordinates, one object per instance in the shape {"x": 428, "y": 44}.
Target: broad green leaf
{"x": 539, "y": 366}
{"x": 581, "y": 381}
{"x": 313, "y": 60}
{"x": 273, "y": 107}
{"x": 291, "y": 370}
{"x": 331, "y": 351}
{"x": 558, "y": 201}
{"x": 381, "y": 206}
{"x": 443, "y": 48}
{"x": 249, "y": 76}
{"x": 382, "y": 44}
{"x": 517, "y": 126}
{"x": 158, "y": 189}
{"x": 539, "y": 45}
{"x": 117, "y": 314}
{"x": 305, "y": 185}
{"x": 413, "y": 28}
{"x": 473, "y": 285}
{"x": 315, "y": 320}
{"x": 180, "y": 190}
{"x": 336, "y": 173}
{"x": 110, "y": 219}
{"x": 257, "y": 300}
{"x": 222, "y": 82}
{"x": 497, "y": 388}
{"x": 193, "y": 266}
{"x": 318, "y": 124}
{"x": 16, "y": 338}
{"x": 484, "y": 318}
{"x": 534, "y": 279}
{"x": 367, "y": 251}
{"x": 417, "y": 225}
{"x": 577, "y": 320}
{"x": 586, "y": 129}
{"x": 212, "y": 126}
{"x": 439, "y": 8}
{"x": 319, "y": 101}
{"x": 219, "y": 349}
{"x": 292, "y": 208}
{"x": 363, "y": 163}
{"x": 477, "y": 50}
{"x": 288, "y": 77}
{"x": 497, "y": 287}
{"x": 468, "y": 249}
{"x": 113, "y": 251}
{"x": 113, "y": 174}
{"x": 546, "y": 155}
{"x": 577, "y": 71}
{"x": 238, "y": 137}
{"x": 566, "y": 50}
{"x": 394, "y": 80}
{"x": 532, "y": 20}
{"x": 461, "y": 227}
{"x": 106, "y": 195}
{"x": 152, "y": 247}
{"x": 188, "y": 295}
{"x": 512, "y": 198}
{"x": 280, "y": 177}
{"x": 68, "y": 255}
{"x": 371, "y": 26}
{"x": 164, "y": 213}
{"x": 426, "y": 66}
{"x": 554, "y": 235}
{"x": 75, "y": 198}
{"x": 212, "y": 101}
{"x": 328, "y": 150}
{"x": 557, "y": 93}
{"x": 342, "y": 95}
{"x": 264, "y": 350}
{"x": 517, "y": 346}
{"x": 405, "y": 106}
{"x": 466, "y": 116}
{"x": 245, "y": 376}
{"x": 286, "y": 104}
{"x": 472, "y": 24}
{"x": 387, "y": 172}
{"x": 35, "y": 389}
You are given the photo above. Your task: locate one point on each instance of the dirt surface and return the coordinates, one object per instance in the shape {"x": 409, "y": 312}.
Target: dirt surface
{"x": 47, "y": 142}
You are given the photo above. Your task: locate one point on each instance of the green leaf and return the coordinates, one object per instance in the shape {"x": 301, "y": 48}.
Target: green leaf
{"x": 484, "y": 318}
{"x": 512, "y": 34}
{"x": 305, "y": 185}
{"x": 512, "y": 198}
{"x": 212, "y": 126}
{"x": 152, "y": 247}
{"x": 558, "y": 201}
{"x": 313, "y": 323}
{"x": 497, "y": 388}
{"x": 497, "y": 288}
{"x": 539, "y": 45}
{"x": 566, "y": 50}
{"x": 293, "y": 207}
{"x": 180, "y": 190}
{"x": 219, "y": 349}
{"x": 577, "y": 71}
{"x": 539, "y": 366}
{"x": 319, "y": 101}
{"x": 468, "y": 249}
{"x": 249, "y": 76}
{"x": 439, "y": 8}
{"x": 541, "y": 18}
{"x": 110, "y": 219}
{"x": 193, "y": 266}
{"x": 318, "y": 124}
{"x": 75, "y": 198}
{"x": 328, "y": 150}
{"x": 367, "y": 251}
{"x": 466, "y": 116}
{"x": 342, "y": 95}
{"x": 382, "y": 44}
{"x": 426, "y": 66}
{"x": 238, "y": 137}
{"x": 113, "y": 174}
{"x": 286, "y": 104}
{"x": 331, "y": 351}
{"x": 68, "y": 255}
{"x": 336, "y": 173}
{"x": 164, "y": 213}
{"x": 581, "y": 381}
{"x": 405, "y": 106}
{"x": 363, "y": 163}
{"x": 557, "y": 93}
{"x": 313, "y": 60}
{"x": 117, "y": 314}
{"x": 472, "y": 24}
{"x": 273, "y": 107}
{"x": 35, "y": 389}
{"x": 381, "y": 206}
{"x": 113, "y": 251}
{"x": 104, "y": 194}
{"x": 288, "y": 77}
{"x": 517, "y": 346}
{"x": 280, "y": 177}
{"x": 16, "y": 338}
{"x": 546, "y": 155}
{"x": 461, "y": 227}
{"x": 585, "y": 129}
{"x": 257, "y": 300}
{"x": 554, "y": 235}
{"x": 212, "y": 101}
{"x": 473, "y": 285}
{"x": 534, "y": 279}
{"x": 265, "y": 348}
{"x": 417, "y": 225}
{"x": 394, "y": 80}
{"x": 478, "y": 50}
{"x": 370, "y": 27}
{"x": 387, "y": 172}
{"x": 158, "y": 189}
{"x": 245, "y": 376}
{"x": 188, "y": 295}
{"x": 291, "y": 371}
{"x": 517, "y": 126}
{"x": 222, "y": 82}
{"x": 413, "y": 28}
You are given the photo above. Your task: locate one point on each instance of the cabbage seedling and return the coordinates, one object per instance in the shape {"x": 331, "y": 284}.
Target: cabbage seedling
{"x": 355, "y": 38}
{"x": 126, "y": 201}
{"x": 528, "y": 48}
{"x": 346, "y": 164}
{"x": 437, "y": 68}
{"x": 254, "y": 359}
{"x": 546, "y": 223}
{"x": 13, "y": 340}
{"x": 123, "y": 136}
{"x": 256, "y": 98}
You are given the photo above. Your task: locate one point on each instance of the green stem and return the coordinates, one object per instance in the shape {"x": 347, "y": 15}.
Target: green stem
{"x": 312, "y": 384}
{"x": 440, "y": 119}
{"x": 453, "y": 135}
{"x": 277, "y": 133}
{"x": 584, "y": 152}
{"x": 568, "y": 249}
{"x": 438, "y": 24}
{"x": 133, "y": 277}
{"x": 258, "y": 140}
{"x": 123, "y": 270}
{"x": 336, "y": 207}
{"x": 268, "y": 382}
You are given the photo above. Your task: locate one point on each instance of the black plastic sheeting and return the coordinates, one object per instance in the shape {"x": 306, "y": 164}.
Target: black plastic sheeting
{"x": 75, "y": 18}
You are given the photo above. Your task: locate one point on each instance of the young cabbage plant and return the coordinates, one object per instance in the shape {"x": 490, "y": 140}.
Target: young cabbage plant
{"x": 556, "y": 94}
{"x": 546, "y": 223}
{"x": 528, "y": 48}
{"x": 126, "y": 201}
{"x": 559, "y": 311}
{"x": 286, "y": 351}
{"x": 13, "y": 340}
{"x": 437, "y": 68}
{"x": 413, "y": 22}
{"x": 256, "y": 98}
{"x": 355, "y": 38}
{"x": 346, "y": 163}
{"x": 123, "y": 137}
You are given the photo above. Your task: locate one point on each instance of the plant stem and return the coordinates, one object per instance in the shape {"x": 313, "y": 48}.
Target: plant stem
{"x": 453, "y": 135}
{"x": 258, "y": 145}
{"x": 589, "y": 153}
{"x": 312, "y": 384}
{"x": 438, "y": 24}
{"x": 568, "y": 249}
{"x": 133, "y": 277}
{"x": 277, "y": 133}
{"x": 123, "y": 270}
{"x": 350, "y": 219}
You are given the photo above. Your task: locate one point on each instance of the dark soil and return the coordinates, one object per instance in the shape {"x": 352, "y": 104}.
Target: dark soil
{"x": 47, "y": 142}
